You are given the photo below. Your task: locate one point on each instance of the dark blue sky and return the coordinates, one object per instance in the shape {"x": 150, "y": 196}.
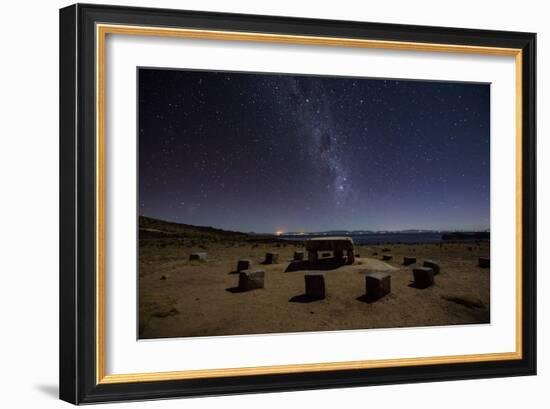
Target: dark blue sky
{"x": 267, "y": 152}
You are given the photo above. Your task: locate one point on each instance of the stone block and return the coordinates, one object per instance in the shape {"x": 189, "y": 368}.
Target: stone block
{"x": 423, "y": 277}
{"x": 298, "y": 256}
{"x": 251, "y": 280}
{"x": 244, "y": 264}
{"x": 484, "y": 262}
{"x": 200, "y": 256}
{"x": 433, "y": 265}
{"x": 377, "y": 285}
{"x": 271, "y": 258}
{"x": 409, "y": 260}
{"x": 315, "y": 286}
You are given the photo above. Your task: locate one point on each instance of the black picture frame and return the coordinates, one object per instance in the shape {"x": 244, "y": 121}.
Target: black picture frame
{"x": 78, "y": 313}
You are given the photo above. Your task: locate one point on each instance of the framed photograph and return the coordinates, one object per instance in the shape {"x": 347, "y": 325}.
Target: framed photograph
{"x": 257, "y": 203}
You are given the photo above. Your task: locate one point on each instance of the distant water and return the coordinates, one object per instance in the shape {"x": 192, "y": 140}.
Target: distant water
{"x": 381, "y": 238}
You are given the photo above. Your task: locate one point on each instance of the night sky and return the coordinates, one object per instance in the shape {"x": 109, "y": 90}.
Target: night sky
{"x": 267, "y": 152}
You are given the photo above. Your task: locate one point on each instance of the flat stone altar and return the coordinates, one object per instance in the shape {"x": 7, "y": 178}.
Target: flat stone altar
{"x": 338, "y": 245}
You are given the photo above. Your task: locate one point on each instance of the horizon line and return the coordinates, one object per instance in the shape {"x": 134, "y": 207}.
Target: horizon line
{"x": 297, "y": 232}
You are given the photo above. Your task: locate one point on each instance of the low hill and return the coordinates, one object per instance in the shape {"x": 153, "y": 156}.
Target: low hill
{"x": 467, "y": 236}
{"x": 150, "y": 228}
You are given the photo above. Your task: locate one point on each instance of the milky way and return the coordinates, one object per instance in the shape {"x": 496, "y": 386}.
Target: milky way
{"x": 266, "y": 152}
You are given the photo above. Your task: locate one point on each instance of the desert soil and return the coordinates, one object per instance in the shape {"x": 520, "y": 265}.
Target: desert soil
{"x": 182, "y": 298}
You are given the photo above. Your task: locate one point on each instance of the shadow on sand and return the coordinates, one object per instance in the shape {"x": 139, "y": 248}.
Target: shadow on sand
{"x": 323, "y": 264}
{"x": 304, "y": 298}
{"x": 367, "y": 299}
{"x": 235, "y": 290}
{"x": 418, "y": 286}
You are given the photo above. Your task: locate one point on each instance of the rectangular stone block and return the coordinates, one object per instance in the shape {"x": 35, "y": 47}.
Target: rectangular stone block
{"x": 329, "y": 244}
{"x": 484, "y": 262}
{"x": 386, "y": 257}
{"x": 244, "y": 264}
{"x": 251, "y": 280}
{"x": 423, "y": 277}
{"x": 409, "y": 260}
{"x": 433, "y": 265}
{"x": 377, "y": 285}
{"x": 271, "y": 258}
{"x": 315, "y": 286}
{"x": 298, "y": 255}
{"x": 200, "y": 256}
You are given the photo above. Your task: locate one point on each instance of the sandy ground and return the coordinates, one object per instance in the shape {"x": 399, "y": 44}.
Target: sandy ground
{"x": 180, "y": 298}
